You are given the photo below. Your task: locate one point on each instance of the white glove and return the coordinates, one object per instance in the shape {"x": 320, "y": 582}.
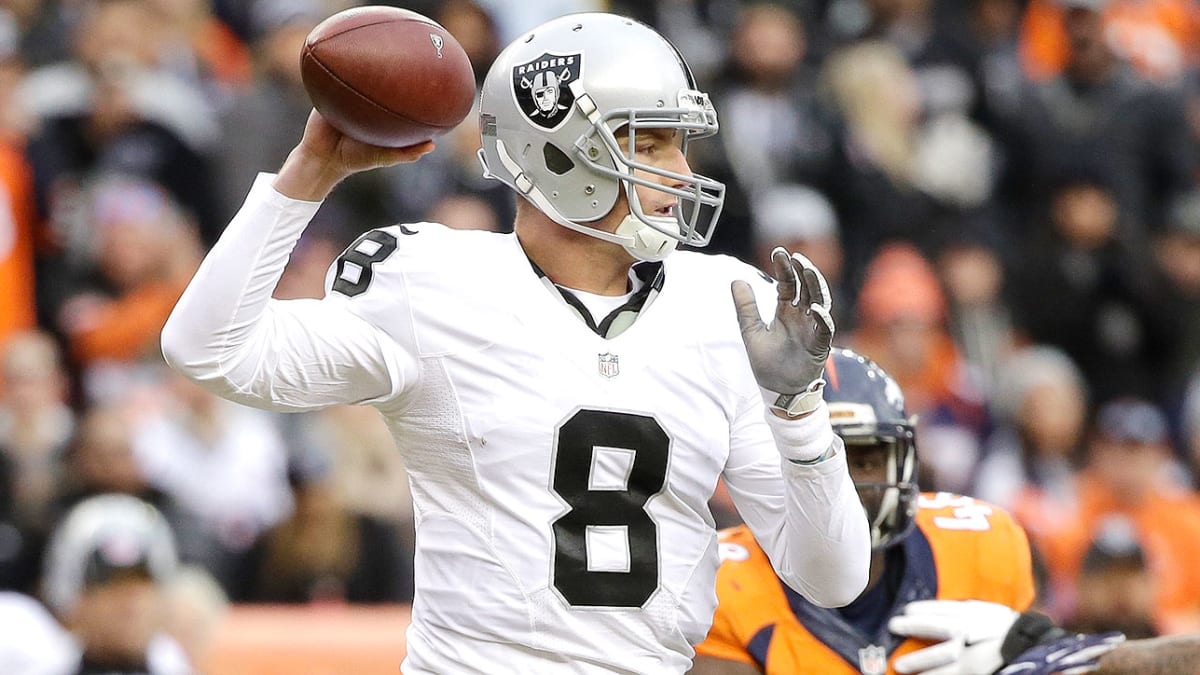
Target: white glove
{"x": 969, "y": 634}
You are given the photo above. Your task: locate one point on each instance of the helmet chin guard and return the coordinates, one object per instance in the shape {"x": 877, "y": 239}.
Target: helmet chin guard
{"x": 549, "y": 113}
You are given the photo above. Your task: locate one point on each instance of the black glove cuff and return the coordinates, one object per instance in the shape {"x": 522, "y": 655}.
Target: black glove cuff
{"x": 1028, "y": 631}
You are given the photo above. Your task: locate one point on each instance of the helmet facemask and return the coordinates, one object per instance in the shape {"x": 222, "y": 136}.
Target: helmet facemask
{"x": 891, "y": 503}
{"x": 698, "y": 199}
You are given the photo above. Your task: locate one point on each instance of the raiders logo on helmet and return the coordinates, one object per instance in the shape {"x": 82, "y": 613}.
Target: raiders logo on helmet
{"x": 541, "y": 88}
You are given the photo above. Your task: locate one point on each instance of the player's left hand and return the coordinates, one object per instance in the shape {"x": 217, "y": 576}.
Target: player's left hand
{"x": 968, "y": 633}
{"x": 1070, "y": 655}
{"x": 788, "y": 357}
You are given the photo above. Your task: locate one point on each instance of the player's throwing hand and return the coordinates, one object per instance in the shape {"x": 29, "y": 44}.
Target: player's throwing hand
{"x": 788, "y": 356}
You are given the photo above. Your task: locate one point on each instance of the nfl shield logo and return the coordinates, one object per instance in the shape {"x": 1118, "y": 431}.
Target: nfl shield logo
{"x": 541, "y": 90}
{"x": 610, "y": 366}
{"x": 872, "y": 660}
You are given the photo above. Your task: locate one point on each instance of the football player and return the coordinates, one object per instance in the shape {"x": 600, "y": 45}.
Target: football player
{"x": 950, "y": 581}
{"x": 925, "y": 547}
{"x": 566, "y": 396}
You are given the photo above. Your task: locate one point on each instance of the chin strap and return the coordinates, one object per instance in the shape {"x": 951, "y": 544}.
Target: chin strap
{"x": 649, "y": 245}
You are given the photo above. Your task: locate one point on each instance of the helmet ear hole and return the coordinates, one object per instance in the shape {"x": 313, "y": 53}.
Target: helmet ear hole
{"x": 557, "y": 161}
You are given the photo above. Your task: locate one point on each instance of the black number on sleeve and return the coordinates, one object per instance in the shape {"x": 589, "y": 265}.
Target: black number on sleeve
{"x": 637, "y": 447}
{"x": 354, "y": 265}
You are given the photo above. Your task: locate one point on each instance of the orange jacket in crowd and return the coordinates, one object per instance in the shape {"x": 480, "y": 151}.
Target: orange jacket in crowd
{"x": 17, "y": 309}
{"x": 1161, "y": 38}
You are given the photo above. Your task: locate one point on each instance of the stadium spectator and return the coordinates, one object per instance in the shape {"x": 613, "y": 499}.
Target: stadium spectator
{"x": 35, "y": 424}
{"x": 224, "y": 467}
{"x": 1159, "y": 37}
{"x": 106, "y": 568}
{"x": 1098, "y": 112}
{"x": 1041, "y": 408}
{"x": 258, "y": 126}
{"x": 114, "y": 109}
{"x": 799, "y": 218}
{"x": 146, "y": 251}
{"x": 1128, "y": 473}
{"x": 326, "y": 553}
{"x": 1116, "y": 588}
{"x": 1079, "y": 286}
{"x": 907, "y": 334}
{"x": 972, "y": 272}
{"x": 874, "y": 183}
{"x": 1177, "y": 253}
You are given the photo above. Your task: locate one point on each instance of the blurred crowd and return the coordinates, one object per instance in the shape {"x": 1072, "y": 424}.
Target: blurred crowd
{"x": 1004, "y": 195}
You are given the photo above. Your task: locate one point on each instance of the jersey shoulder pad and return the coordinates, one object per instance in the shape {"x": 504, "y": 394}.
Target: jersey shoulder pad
{"x": 737, "y": 544}
{"x": 941, "y": 512}
{"x": 981, "y": 551}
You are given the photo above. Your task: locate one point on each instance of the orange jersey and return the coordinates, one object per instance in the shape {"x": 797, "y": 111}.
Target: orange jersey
{"x": 16, "y": 244}
{"x": 960, "y": 549}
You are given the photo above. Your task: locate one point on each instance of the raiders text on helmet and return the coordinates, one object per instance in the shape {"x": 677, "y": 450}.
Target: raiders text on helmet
{"x": 552, "y": 106}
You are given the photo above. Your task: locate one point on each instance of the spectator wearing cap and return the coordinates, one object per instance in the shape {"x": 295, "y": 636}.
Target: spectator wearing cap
{"x": 800, "y": 218}
{"x": 1128, "y": 473}
{"x": 105, "y": 573}
{"x": 1116, "y": 586}
{"x": 146, "y": 253}
{"x": 906, "y": 333}
{"x": 1040, "y": 405}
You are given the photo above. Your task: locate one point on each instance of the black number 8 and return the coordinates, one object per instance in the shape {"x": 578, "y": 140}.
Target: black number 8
{"x": 363, "y": 261}
{"x": 576, "y": 445}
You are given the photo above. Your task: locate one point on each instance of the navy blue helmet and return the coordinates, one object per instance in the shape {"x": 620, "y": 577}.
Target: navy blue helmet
{"x": 866, "y": 408}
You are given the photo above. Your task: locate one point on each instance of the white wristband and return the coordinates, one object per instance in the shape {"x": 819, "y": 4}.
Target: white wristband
{"x": 805, "y": 439}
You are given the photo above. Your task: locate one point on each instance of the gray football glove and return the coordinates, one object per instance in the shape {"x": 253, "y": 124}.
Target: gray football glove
{"x": 788, "y": 357}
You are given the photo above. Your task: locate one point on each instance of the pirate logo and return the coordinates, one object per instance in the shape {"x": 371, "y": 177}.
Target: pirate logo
{"x": 541, "y": 88}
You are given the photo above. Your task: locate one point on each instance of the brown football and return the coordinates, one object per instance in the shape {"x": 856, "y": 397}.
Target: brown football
{"x": 387, "y": 76}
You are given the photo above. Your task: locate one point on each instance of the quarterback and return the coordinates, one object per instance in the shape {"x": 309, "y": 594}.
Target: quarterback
{"x": 566, "y": 396}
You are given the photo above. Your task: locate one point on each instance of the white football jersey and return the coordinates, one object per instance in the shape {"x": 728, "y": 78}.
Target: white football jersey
{"x": 560, "y": 479}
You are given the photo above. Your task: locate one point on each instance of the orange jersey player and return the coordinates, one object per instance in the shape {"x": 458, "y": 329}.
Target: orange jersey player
{"x": 926, "y": 547}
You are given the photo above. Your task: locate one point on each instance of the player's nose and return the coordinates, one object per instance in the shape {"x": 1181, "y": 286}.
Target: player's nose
{"x": 677, "y": 163}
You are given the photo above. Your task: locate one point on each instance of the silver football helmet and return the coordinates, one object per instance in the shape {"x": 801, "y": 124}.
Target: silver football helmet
{"x": 549, "y": 114}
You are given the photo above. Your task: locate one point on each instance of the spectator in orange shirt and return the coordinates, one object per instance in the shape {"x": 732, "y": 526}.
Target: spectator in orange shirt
{"x": 1116, "y": 584}
{"x": 1128, "y": 474}
{"x": 905, "y": 330}
{"x": 147, "y": 252}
